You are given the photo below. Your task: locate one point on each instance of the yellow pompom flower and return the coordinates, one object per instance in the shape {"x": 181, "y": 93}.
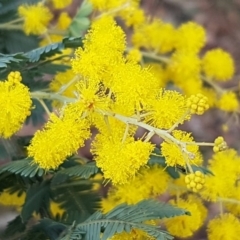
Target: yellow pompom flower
{"x": 64, "y": 21}
{"x": 133, "y": 17}
{"x": 156, "y": 35}
{"x": 36, "y": 18}
{"x": 160, "y": 73}
{"x": 148, "y": 183}
{"x": 225, "y": 226}
{"x": 176, "y": 155}
{"x": 60, "y": 138}
{"x": 104, "y": 45}
{"x": 132, "y": 86}
{"x": 59, "y": 4}
{"x": 184, "y": 66}
{"x": 218, "y": 64}
{"x": 16, "y": 199}
{"x": 186, "y": 226}
{"x": 134, "y": 234}
{"x": 120, "y": 159}
{"x": 190, "y": 86}
{"x": 91, "y": 98}
{"x": 134, "y": 55}
{"x": 210, "y": 94}
{"x": 225, "y": 167}
{"x": 168, "y": 108}
{"x": 234, "y": 207}
{"x": 228, "y": 102}
{"x": 190, "y": 37}
{"x": 15, "y": 104}
{"x": 56, "y": 209}
{"x": 60, "y": 80}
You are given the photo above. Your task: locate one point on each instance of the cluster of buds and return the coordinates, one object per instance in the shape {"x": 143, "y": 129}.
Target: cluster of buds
{"x": 195, "y": 181}
{"x": 14, "y": 77}
{"x": 197, "y": 104}
{"x": 219, "y": 145}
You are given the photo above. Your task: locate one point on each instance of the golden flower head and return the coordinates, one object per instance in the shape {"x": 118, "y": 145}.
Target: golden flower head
{"x": 36, "y": 18}
{"x": 186, "y": 226}
{"x": 61, "y": 137}
{"x": 226, "y": 227}
{"x": 218, "y": 64}
{"x": 15, "y": 104}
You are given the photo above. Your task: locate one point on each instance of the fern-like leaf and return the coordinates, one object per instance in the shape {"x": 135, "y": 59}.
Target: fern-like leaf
{"x": 125, "y": 218}
{"x": 22, "y": 167}
{"x": 76, "y": 198}
{"x": 37, "y": 198}
{"x": 84, "y": 171}
{"x": 43, "y": 52}
{"x": 7, "y": 59}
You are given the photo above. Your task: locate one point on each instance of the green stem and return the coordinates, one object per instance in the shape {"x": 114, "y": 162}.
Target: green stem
{"x": 77, "y": 183}
{"x": 112, "y": 11}
{"x": 51, "y": 96}
{"x": 213, "y": 85}
{"x": 57, "y": 32}
{"x": 200, "y": 144}
{"x": 17, "y": 20}
{"x": 154, "y": 56}
{"x": 11, "y": 27}
{"x": 178, "y": 122}
{"x": 229, "y": 200}
{"x": 66, "y": 86}
{"x": 44, "y": 106}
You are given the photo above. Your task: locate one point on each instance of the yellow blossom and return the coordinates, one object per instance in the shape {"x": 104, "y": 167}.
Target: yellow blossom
{"x": 189, "y": 86}
{"x": 186, "y": 226}
{"x": 225, "y": 226}
{"x": 228, "y": 102}
{"x": 157, "y": 36}
{"x": 91, "y": 97}
{"x": 64, "y": 21}
{"x": 60, "y": 138}
{"x": 160, "y": 73}
{"x": 16, "y": 199}
{"x": 184, "y": 66}
{"x": 56, "y": 209}
{"x": 104, "y": 45}
{"x": 168, "y": 108}
{"x": 234, "y": 206}
{"x": 225, "y": 167}
{"x": 135, "y": 234}
{"x": 60, "y": 80}
{"x": 36, "y": 18}
{"x": 190, "y": 37}
{"x": 177, "y": 155}
{"x": 148, "y": 183}
{"x": 218, "y": 64}
{"x": 106, "y": 5}
{"x": 15, "y": 104}
{"x": 119, "y": 158}
{"x": 132, "y": 86}
{"x": 59, "y": 4}
{"x": 133, "y": 17}
{"x": 134, "y": 55}
{"x": 210, "y": 94}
